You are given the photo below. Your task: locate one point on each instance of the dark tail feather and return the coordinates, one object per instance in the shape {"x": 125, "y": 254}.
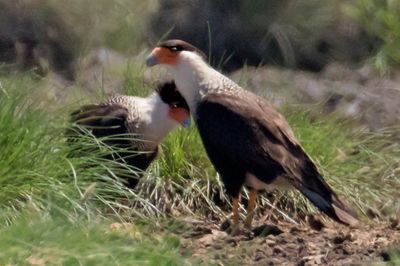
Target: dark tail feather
{"x": 325, "y": 199}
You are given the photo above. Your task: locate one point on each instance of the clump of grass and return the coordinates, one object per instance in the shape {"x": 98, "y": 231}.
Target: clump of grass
{"x": 34, "y": 156}
{"x": 62, "y": 206}
{"x": 24, "y": 142}
{"x": 362, "y": 166}
{"x": 183, "y": 156}
{"x": 36, "y": 161}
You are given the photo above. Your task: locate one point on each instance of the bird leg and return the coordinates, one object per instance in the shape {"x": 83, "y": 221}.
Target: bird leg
{"x": 250, "y": 208}
{"x": 234, "y": 228}
{"x": 235, "y": 211}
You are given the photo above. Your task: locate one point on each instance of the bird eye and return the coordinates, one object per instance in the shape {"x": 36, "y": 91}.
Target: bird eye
{"x": 176, "y": 48}
{"x": 174, "y": 104}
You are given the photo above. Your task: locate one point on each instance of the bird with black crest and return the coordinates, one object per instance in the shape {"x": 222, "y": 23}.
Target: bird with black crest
{"x": 133, "y": 126}
{"x": 248, "y": 141}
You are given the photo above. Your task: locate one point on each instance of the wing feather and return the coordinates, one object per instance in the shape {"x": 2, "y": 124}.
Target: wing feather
{"x": 102, "y": 120}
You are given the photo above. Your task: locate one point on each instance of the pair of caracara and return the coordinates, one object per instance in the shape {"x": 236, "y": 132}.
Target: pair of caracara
{"x": 247, "y": 140}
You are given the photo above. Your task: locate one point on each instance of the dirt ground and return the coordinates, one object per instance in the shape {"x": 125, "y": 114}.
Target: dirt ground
{"x": 288, "y": 244}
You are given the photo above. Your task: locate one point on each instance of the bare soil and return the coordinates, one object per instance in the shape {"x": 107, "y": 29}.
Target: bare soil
{"x": 285, "y": 243}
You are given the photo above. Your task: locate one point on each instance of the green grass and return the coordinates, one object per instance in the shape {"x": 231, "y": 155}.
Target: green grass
{"x": 394, "y": 258}
{"x": 54, "y": 208}
{"x": 34, "y": 157}
{"x": 362, "y": 166}
{"x": 59, "y": 208}
{"x": 22, "y": 155}
{"x": 50, "y": 238}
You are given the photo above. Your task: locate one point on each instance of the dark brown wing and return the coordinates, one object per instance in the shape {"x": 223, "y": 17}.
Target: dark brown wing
{"x": 251, "y": 130}
{"x": 101, "y": 120}
{"x": 109, "y": 123}
{"x": 254, "y": 137}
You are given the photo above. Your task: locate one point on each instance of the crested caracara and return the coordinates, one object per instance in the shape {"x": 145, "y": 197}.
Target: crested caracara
{"x": 135, "y": 126}
{"x": 246, "y": 139}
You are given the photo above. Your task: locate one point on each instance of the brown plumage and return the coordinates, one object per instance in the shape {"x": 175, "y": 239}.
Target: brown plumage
{"x": 246, "y": 139}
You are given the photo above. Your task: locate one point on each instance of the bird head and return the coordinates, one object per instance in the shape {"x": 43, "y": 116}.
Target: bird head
{"x": 171, "y": 51}
{"x": 178, "y": 108}
{"x": 188, "y": 67}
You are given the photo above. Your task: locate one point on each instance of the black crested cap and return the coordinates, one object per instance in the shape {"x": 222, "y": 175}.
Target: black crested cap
{"x": 179, "y": 45}
{"x": 170, "y": 95}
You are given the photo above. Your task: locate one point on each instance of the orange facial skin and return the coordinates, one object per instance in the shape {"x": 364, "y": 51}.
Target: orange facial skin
{"x": 178, "y": 114}
{"x": 162, "y": 55}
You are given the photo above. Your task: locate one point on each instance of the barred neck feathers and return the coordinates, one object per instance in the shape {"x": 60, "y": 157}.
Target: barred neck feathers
{"x": 148, "y": 117}
{"x": 195, "y": 78}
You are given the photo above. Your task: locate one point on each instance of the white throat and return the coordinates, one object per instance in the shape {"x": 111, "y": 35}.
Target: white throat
{"x": 155, "y": 123}
{"x": 194, "y": 78}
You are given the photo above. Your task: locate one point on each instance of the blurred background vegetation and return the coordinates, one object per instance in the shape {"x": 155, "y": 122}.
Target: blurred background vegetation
{"x": 296, "y": 34}
{"x": 332, "y": 67}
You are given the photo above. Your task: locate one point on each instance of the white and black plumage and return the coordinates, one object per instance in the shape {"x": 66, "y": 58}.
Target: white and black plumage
{"x": 246, "y": 139}
{"x": 137, "y": 124}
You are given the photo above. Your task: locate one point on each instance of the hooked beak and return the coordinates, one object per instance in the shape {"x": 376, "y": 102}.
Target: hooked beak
{"x": 186, "y": 123}
{"x": 151, "y": 60}
{"x": 161, "y": 55}
{"x": 181, "y": 115}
